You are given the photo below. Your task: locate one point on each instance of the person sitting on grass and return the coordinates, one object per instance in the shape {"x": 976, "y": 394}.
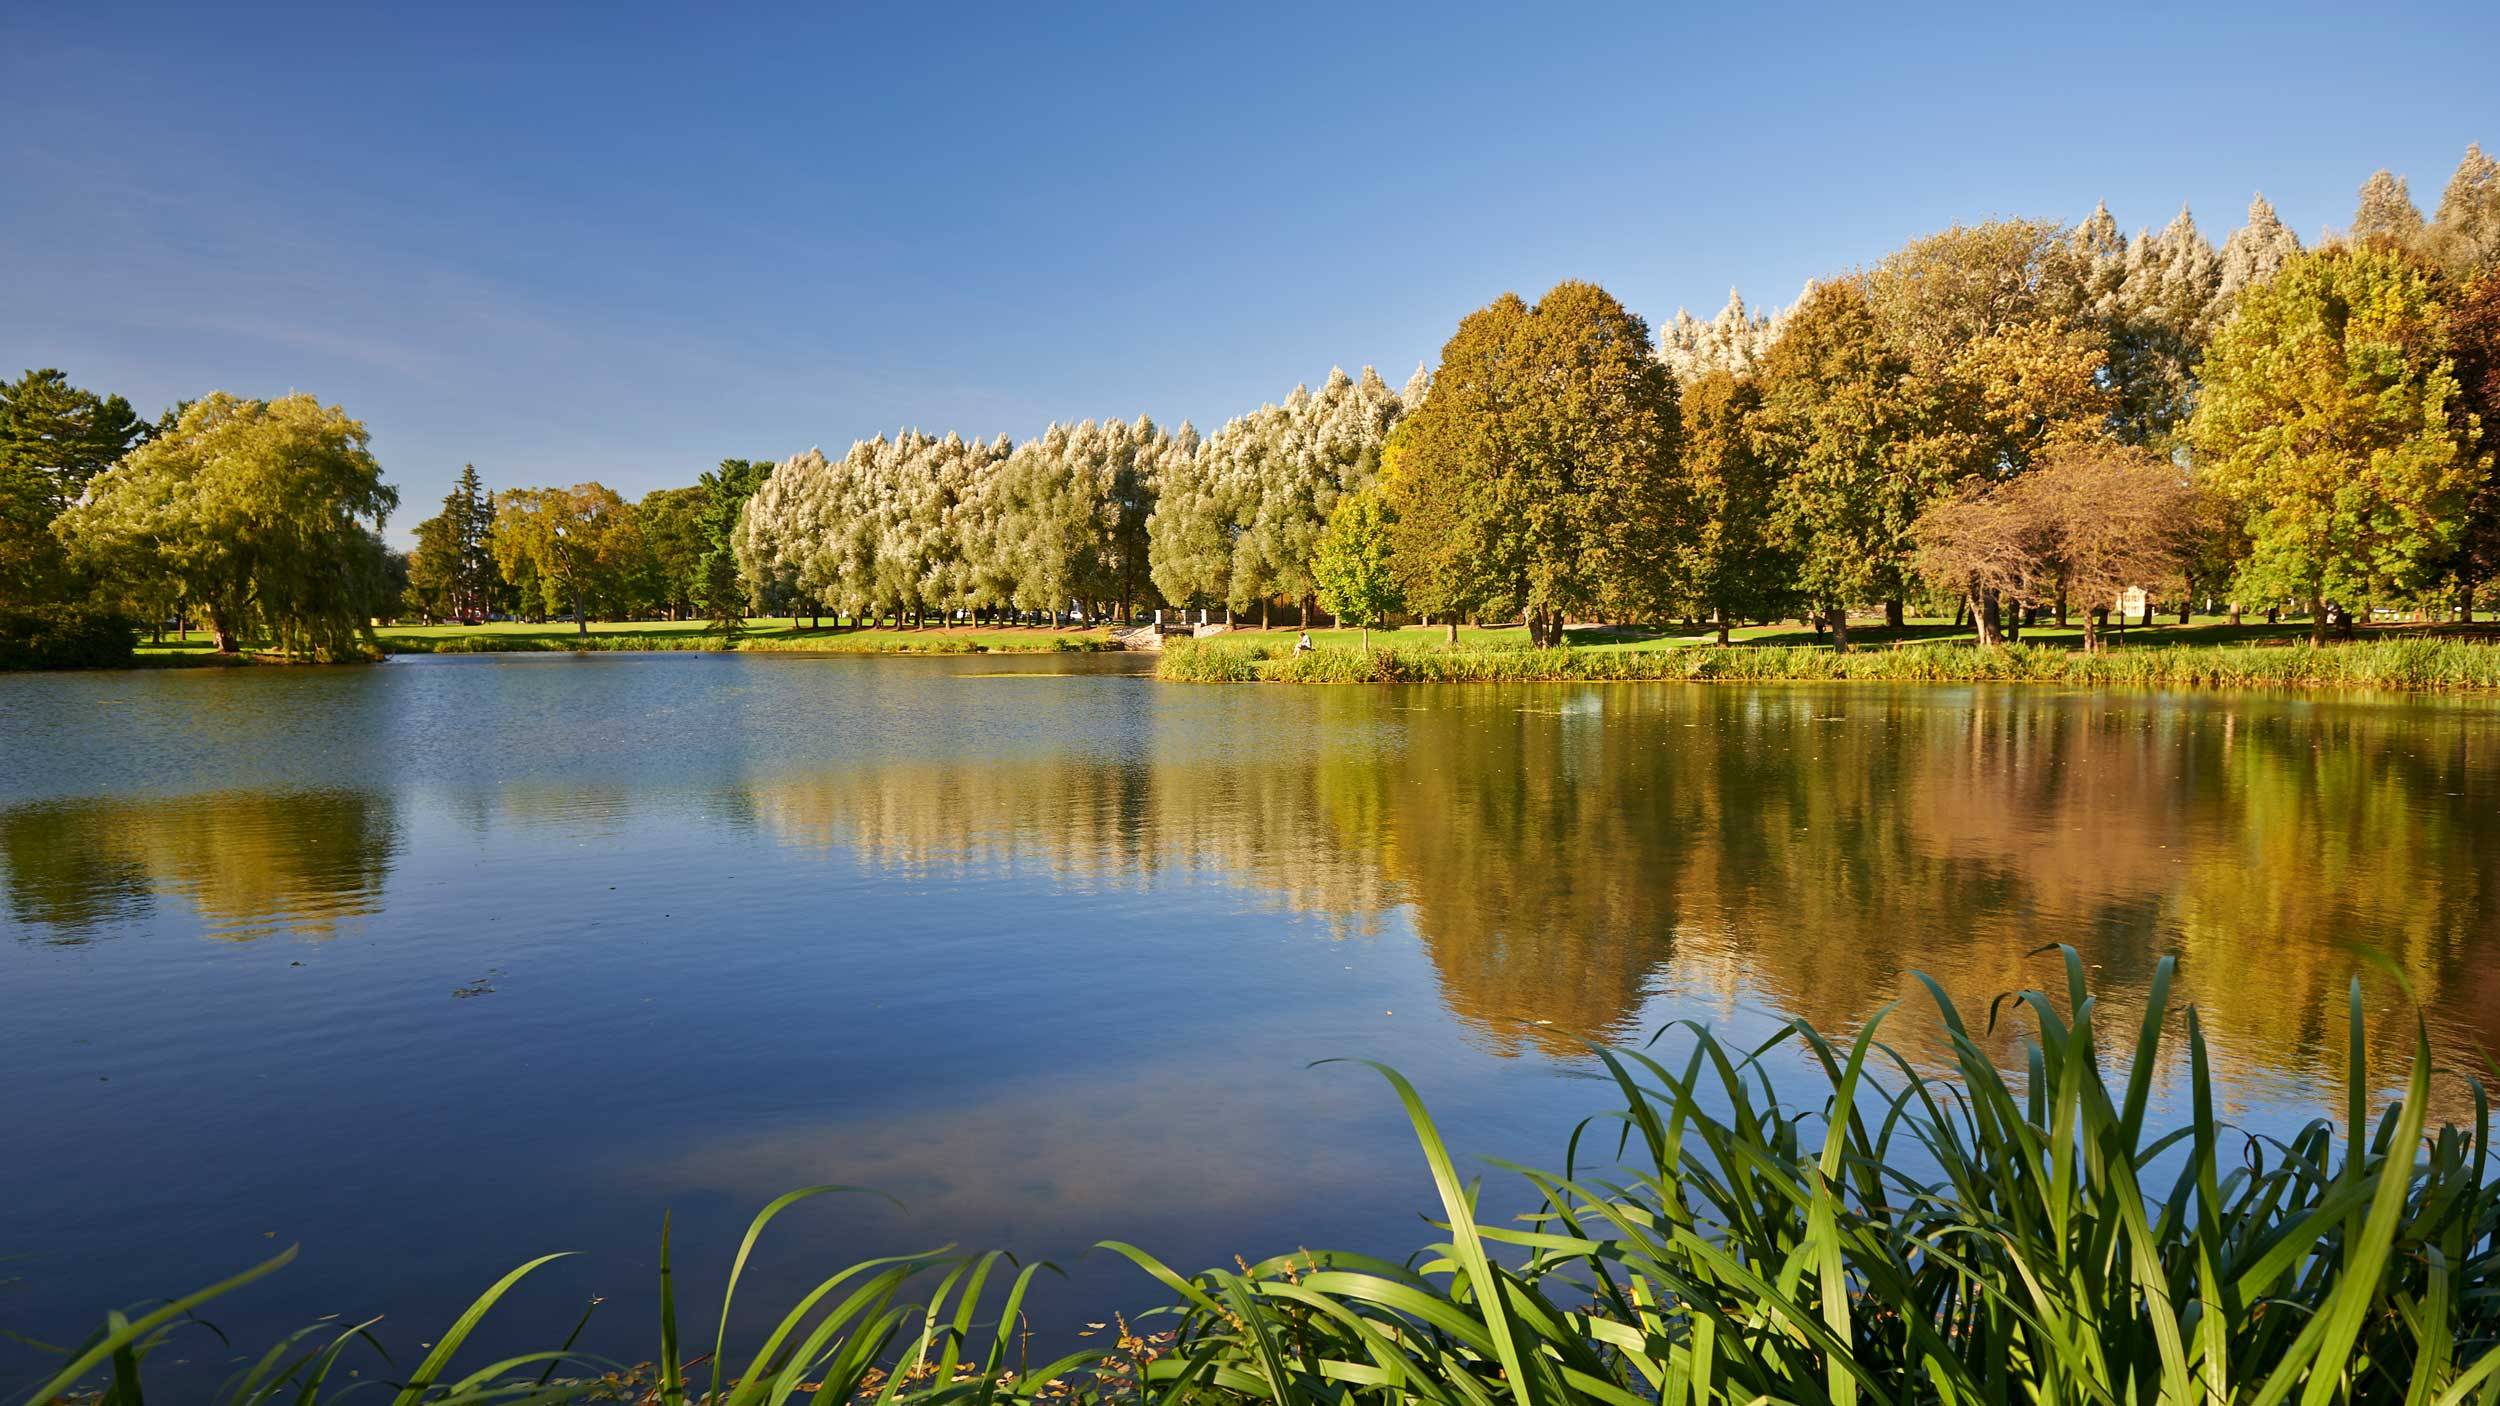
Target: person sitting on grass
{"x": 1303, "y": 645}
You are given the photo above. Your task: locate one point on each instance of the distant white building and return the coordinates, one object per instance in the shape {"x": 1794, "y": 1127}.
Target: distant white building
{"x": 2133, "y": 602}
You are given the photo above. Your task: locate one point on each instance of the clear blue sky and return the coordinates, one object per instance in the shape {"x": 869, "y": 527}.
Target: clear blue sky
{"x": 622, "y": 242}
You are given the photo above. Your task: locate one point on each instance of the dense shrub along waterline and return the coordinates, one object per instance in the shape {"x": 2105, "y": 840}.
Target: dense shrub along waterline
{"x": 2413, "y": 664}
{"x": 69, "y": 635}
{"x": 1951, "y": 1235}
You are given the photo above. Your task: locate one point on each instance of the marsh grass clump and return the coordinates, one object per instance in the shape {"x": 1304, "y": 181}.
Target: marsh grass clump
{"x": 1955, "y": 1234}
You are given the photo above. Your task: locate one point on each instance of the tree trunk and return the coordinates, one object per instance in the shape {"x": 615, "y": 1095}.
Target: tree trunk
{"x": 2185, "y": 608}
{"x": 1265, "y": 602}
{"x": 581, "y": 622}
{"x": 1719, "y": 617}
{"x": 2013, "y": 621}
{"x": 2235, "y": 614}
{"x": 2148, "y": 610}
{"x": 1892, "y": 614}
{"x": 2317, "y": 620}
{"x": 2465, "y": 605}
{"x": 1983, "y": 614}
{"x": 1840, "y": 629}
{"x": 2091, "y": 633}
{"x": 1452, "y": 634}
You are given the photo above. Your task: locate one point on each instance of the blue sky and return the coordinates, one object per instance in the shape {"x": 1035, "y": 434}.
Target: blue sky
{"x": 621, "y": 242}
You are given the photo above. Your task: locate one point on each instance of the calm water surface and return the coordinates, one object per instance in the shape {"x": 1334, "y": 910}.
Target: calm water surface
{"x": 439, "y": 964}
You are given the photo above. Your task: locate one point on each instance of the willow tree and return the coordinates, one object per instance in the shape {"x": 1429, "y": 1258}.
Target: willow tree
{"x": 1544, "y": 459}
{"x": 2332, "y": 421}
{"x": 265, "y": 513}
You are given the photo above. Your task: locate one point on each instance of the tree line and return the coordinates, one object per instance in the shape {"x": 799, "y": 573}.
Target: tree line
{"x": 1999, "y": 421}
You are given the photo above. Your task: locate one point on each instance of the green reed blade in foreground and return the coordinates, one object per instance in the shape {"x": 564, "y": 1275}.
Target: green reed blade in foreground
{"x": 1900, "y": 1235}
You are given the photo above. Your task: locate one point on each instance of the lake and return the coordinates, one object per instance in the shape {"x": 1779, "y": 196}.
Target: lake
{"x": 436, "y": 965}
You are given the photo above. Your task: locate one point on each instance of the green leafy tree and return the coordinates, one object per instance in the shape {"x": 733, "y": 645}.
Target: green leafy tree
{"x": 1999, "y": 356}
{"x": 579, "y": 547}
{"x": 1840, "y": 426}
{"x": 673, "y": 544}
{"x": 429, "y": 575}
{"x": 2474, "y": 331}
{"x": 1356, "y": 580}
{"x": 2332, "y": 421}
{"x": 1544, "y": 453}
{"x": 265, "y": 513}
{"x": 55, "y": 437}
{"x": 1731, "y": 563}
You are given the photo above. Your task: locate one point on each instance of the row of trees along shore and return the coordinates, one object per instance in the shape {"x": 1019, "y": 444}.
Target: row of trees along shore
{"x": 2000, "y": 422}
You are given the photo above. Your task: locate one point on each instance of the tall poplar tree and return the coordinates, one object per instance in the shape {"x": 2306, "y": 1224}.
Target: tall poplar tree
{"x": 2254, "y": 253}
{"x": 2465, "y": 235}
{"x": 2386, "y": 213}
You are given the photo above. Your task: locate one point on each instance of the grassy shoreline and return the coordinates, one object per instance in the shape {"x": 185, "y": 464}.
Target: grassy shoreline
{"x": 669, "y": 637}
{"x": 2413, "y": 664}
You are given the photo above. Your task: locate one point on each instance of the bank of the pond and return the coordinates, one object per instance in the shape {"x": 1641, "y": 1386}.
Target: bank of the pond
{"x": 659, "y": 638}
{"x": 2408, "y": 664}
{"x": 757, "y": 642}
